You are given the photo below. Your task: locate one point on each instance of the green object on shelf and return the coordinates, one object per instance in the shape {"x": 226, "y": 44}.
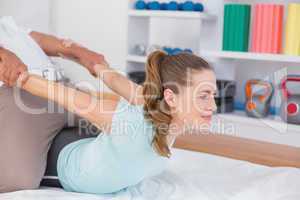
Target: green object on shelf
{"x": 236, "y": 27}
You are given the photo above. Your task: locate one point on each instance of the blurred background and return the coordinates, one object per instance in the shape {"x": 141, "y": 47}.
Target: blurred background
{"x": 124, "y": 31}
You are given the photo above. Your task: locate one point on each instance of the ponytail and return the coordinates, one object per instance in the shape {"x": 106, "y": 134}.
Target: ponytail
{"x": 156, "y": 109}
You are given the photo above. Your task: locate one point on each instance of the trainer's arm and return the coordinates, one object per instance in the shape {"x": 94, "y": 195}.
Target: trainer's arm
{"x": 54, "y": 46}
{"x": 94, "y": 62}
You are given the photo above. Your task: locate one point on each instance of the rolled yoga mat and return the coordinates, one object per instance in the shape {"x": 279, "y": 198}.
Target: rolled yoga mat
{"x": 267, "y": 28}
{"x": 292, "y": 37}
{"x": 236, "y": 27}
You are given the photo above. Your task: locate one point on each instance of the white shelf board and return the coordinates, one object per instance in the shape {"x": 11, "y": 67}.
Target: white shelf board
{"x": 171, "y": 14}
{"x": 270, "y": 121}
{"x": 251, "y": 56}
{"x": 136, "y": 59}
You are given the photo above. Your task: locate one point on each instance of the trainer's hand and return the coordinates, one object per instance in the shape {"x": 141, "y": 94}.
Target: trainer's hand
{"x": 10, "y": 67}
{"x": 22, "y": 79}
{"x": 82, "y": 56}
{"x": 89, "y": 59}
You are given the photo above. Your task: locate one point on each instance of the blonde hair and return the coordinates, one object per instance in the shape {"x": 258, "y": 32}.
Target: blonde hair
{"x": 162, "y": 69}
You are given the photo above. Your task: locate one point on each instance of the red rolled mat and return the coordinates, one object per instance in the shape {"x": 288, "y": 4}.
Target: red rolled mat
{"x": 267, "y": 28}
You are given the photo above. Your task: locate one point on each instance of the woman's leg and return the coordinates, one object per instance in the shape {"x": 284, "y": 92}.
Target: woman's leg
{"x": 25, "y": 139}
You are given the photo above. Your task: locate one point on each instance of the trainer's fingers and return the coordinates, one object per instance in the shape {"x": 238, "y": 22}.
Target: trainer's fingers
{"x": 23, "y": 68}
{"x": 13, "y": 78}
{"x": 6, "y": 76}
{"x": 2, "y": 70}
{"x": 22, "y": 79}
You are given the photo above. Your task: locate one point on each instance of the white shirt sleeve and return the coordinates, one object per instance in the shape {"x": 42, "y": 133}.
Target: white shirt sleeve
{"x": 26, "y": 30}
{"x": 17, "y": 40}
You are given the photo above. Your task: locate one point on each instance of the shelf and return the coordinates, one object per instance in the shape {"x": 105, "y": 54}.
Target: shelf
{"x": 234, "y": 55}
{"x": 272, "y": 121}
{"x": 136, "y": 59}
{"x": 171, "y": 14}
{"x": 252, "y": 56}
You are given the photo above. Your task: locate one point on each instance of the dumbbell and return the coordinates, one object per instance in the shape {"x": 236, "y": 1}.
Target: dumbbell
{"x": 188, "y": 6}
{"x": 180, "y": 6}
{"x": 188, "y": 51}
{"x": 198, "y": 7}
{"x": 164, "y": 6}
{"x": 172, "y": 5}
{"x": 140, "y": 5}
{"x": 176, "y": 51}
{"x": 168, "y": 50}
{"x": 153, "y": 48}
{"x": 153, "y": 5}
{"x": 140, "y": 49}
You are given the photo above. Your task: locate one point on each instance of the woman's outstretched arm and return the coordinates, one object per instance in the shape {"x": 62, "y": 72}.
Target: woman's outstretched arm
{"x": 120, "y": 84}
{"x": 97, "y": 111}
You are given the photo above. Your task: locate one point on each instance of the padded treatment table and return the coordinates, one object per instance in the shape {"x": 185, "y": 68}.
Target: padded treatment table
{"x": 193, "y": 176}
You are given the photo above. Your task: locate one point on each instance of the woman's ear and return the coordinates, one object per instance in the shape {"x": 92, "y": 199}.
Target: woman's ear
{"x": 170, "y": 98}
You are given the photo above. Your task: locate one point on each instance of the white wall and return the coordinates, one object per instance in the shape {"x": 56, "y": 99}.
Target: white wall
{"x": 30, "y": 13}
{"x": 102, "y": 26}
{"x": 97, "y": 25}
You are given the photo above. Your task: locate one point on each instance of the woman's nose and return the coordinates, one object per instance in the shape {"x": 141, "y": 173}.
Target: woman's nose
{"x": 213, "y": 106}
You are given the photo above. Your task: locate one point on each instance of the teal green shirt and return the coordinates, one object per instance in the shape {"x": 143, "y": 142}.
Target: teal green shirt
{"x": 114, "y": 161}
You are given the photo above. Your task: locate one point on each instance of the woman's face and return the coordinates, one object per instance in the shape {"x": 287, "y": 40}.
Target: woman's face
{"x": 195, "y": 104}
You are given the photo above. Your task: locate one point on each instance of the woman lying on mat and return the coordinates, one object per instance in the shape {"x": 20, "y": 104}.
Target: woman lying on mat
{"x": 139, "y": 124}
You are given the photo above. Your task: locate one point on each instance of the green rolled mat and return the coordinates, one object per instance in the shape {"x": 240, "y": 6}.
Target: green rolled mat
{"x": 236, "y": 27}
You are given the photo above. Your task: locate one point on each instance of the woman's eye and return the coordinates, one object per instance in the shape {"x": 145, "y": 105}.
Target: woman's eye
{"x": 204, "y": 97}
{"x": 207, "y": 96}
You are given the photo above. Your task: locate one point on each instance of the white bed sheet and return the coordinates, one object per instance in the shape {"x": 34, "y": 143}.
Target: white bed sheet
{"x": 195, "y": 176}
